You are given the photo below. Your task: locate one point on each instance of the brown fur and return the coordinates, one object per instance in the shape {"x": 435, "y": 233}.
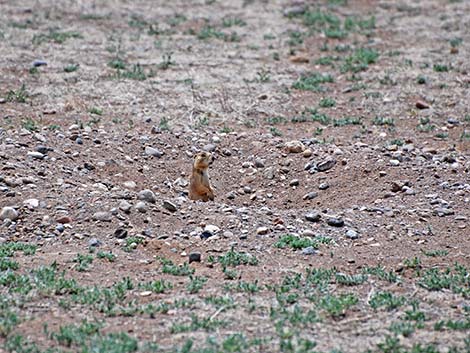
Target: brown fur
{"x": 199, "y": 185}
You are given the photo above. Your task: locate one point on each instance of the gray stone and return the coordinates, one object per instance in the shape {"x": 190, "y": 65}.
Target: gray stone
{"x": 102, "y": 216}
{"x": 259, "y": 163}
{"x": 310, "y": 196}
{"x": 94, "y": 243}
{"x": 36, "y": 155}
{"x": 323, "y": 186}
{"x": 31, "y": 203}
{"x": 210, "y": 147}
{"x": 194, "y": 257}
{"x": 294, "y": 182}
{"x": 313, "y": 216}
{"x": 352, "y": 234}
{"x": 147, "y": 195}
{"x": 262, "y": 230}
{"x": 309, "y": 250}
{"x": 335, "y": 222}
{"x": 120, "y": 233}
{"x": 60, "y": 228}
{"x": 125, "y": 206}
{"x": 141, "y": 207}
{"x": 442, "y": 212}
{"x": 9, "y": 213}
{"x": 326, "y": 165}
{"x": 150, "y": 151}
{"x": 169, "y": 206}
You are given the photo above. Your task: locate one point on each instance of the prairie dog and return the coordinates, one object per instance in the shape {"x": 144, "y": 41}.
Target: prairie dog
{"x": 199, "y": 185}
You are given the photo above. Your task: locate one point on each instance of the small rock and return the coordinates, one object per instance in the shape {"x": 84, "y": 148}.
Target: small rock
{"x": 326, "y": 165}
{"x": 259, "y": 163}
{"x": 169, "y": 206}
{"x": 147, "y": 195}
{"x": 120, "y": 233}
{"x": 150, "y": 151}
{"x": 262, "y": 230}
{"x": 31, "y": 203}
{"x": 194, "y": 257}
{"x": 294, "y": 182}
{"x": 9, "y": 213}
{"x": 35, "y": 155}
{"x": 310, "y": 196}
{"x": 141, "y": 207}
{"x": 125, "y": 206}
{"x": 43, "y": 149}
{"x": 210, "y": 147}
{"x": 130, "y": 184}
{"x": 352, "y": 234}
{"x": 37, "y": 63}
{"x": 307, "y": 153}
{"x": 442, "y": 212}
{"x": 102, "y": 216}
{"x": 64, "y": 220}
{"x": 212, "y": 228}
{"x": 295, "y": 146}
{"x": 394, "y": 162}
{"x": 422, "y": 105}
{"x": 295, "y": 10}
{"x": 206, "y": 234}
{"x": 323, "y": 186}
{"x": 94, "y": 243}
{"x": 335, "y": 222}
{"x": 309, "y": 250}
{"x": 313, "y": 216}
{"x": 60, "y": 228}
{"x": 231, "y": 195}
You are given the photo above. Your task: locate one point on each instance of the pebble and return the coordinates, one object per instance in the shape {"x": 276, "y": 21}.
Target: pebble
{"x": 9, "y": 213}
{"x": 102, "y": 216}
{"x": 212, "y": 228}
{"x": 64, "y": 220}
{"x": 310, "y": 196}
{"x": 294, "y": 146}
{"x": 130, "y": 184}
{"x": 210, "y": 147}
{"x": 335, "y": 222}
{"x": 169, "y": 206}
{"x": 422, "y": 105}
{"x": 313, "y": 216}
{"x": 147, "y": 195}
{"x": 31, "y": 203}
{"x": 394, "y": 162}
{"x": 120, "y": 233}
{"x": 37, "y": 63}
{"x": 326, "y": 165}
{"x": 323, "y": 186}
{"x": 36, "y": 155}
{"x": 259, "y": 163}
{"x": 309, "y": 250}
{"x": 294, "y": 182}
{"x": 194, "y": 257}
{"x": 154, "y": 152}
{"x": 94, "y": 243}
{"x": 141, "y": 207}
{"x": 43, "y": 149}
{"x": 125, "y": 206}
{"x": 294, "y": 10}
{"x": 442, "y": 212}
{"x": 60, "y": 228}
{"x": 262, "y": 230}
{"x": 307, "y": 153}
{"x": 352, "y": 234}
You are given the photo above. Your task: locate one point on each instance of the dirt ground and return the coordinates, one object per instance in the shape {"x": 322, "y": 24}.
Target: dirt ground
{"x": 340, "y": 134}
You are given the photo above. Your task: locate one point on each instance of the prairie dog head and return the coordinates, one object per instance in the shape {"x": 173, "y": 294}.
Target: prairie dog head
{"x": 202, "y": 160}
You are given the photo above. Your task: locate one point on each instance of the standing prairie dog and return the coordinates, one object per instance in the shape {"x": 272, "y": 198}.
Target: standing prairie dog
{"x": 199, "y": 185}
